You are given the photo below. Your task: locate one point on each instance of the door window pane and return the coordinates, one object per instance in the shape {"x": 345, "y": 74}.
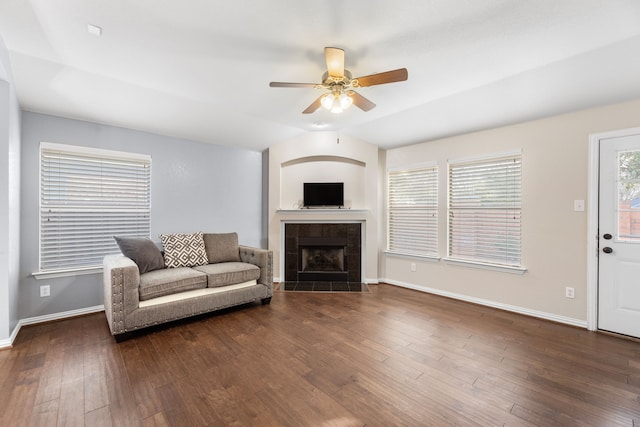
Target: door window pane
{"x": 629, "y": 196}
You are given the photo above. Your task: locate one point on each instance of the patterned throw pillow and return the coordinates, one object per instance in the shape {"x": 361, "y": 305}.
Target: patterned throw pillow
{"x": 184, "y": 250}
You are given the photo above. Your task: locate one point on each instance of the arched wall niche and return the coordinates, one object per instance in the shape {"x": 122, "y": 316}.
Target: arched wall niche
{"x": 297, "y": 171}
{"x": 310, "y": 159}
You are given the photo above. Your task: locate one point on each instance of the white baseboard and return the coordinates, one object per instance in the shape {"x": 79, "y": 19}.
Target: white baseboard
{"x": 8, "y": 343}
{"x": 515, "y": 309}
{"x": 47, "y": 318}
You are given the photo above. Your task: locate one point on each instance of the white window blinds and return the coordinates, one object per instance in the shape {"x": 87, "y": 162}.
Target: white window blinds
{"x": 413, "y": 211}
{"x": 485, "y": 210}
{"x": 86, "y": 197}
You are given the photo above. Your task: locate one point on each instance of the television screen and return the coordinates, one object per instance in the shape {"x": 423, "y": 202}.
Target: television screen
{"x": 318, "y": 194}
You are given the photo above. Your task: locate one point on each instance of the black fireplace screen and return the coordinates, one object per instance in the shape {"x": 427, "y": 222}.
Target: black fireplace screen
{"x": 322, "y": 259}
{"x": 315, "y": 258}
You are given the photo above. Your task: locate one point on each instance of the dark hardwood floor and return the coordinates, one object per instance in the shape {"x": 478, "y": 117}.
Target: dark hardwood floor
{"x": 390, "y": 357}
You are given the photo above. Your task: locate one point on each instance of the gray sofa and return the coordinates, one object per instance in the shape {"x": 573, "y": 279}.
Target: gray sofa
{"x": 141, "y": 291}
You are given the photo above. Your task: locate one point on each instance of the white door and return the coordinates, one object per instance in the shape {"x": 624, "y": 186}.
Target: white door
{"x": 619, "y": 236}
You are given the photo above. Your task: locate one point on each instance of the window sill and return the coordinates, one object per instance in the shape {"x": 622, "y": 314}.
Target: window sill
{"x": 40, "y": 275}
{"x": 486, "y": 266}
{"x": 433, "y": 258}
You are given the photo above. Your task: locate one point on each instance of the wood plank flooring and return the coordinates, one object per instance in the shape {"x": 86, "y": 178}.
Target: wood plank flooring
{"x": 391, "y": 357}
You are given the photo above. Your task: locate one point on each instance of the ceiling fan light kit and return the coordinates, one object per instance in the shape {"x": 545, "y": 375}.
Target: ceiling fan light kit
{"x": 337, "y": 80}
{"x": 336, "y": 102}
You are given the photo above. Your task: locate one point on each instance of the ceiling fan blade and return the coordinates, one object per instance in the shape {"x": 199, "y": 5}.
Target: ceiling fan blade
{"x": 283, "y": 84}
{"x": 360, "y": 101}
{"x": 314, "y": 106}
{"x": 398, "y": 75}
{"x": 335, "y": 61}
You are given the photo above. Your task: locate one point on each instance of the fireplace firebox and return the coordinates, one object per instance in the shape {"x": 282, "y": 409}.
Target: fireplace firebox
{"x": 322, "y": 259}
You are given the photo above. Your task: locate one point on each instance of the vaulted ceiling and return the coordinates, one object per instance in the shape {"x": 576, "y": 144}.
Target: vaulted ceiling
{"x": 200, "y": 69}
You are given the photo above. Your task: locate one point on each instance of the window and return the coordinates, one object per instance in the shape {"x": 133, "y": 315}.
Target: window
{"x": 86, "y": 197}
{"x": 628, "y": 196}
{"x": 485, "y": 210}
{"x": 413, "y": 211}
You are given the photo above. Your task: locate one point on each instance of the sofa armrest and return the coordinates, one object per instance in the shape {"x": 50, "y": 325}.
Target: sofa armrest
{"x": 121, "y": 280}
{"x": 263, "y": 258}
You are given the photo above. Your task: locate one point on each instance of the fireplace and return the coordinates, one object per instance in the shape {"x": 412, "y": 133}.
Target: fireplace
{"x": 322, "y": 259}
{"x": 323, "y": 252}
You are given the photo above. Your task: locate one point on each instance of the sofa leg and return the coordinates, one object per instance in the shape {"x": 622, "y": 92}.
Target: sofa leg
{"x": 123, "y": 336}
{"x": 266, "y": 301}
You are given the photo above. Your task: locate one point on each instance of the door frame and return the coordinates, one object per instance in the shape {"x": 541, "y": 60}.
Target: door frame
{"x": 593, "y": 220}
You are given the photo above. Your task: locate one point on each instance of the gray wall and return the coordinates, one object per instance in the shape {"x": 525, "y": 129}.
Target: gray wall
{"x": 9, "y": 200}
{"x": 194, "y": 187}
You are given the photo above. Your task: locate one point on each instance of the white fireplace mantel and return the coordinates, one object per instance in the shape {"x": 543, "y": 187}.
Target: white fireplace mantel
{"x": 322, "y": 211}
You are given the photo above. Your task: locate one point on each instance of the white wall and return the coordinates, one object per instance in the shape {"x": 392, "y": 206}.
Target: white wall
{"x": 9, "y": 199}
{"x": 194, "y": 187}
{"x": 554, "y": 237}
{"x": 317, "y": 156}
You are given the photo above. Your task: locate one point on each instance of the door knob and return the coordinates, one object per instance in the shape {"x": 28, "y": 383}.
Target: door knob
{"x": 607, "y": 236}
{"x": 607, "y": 250}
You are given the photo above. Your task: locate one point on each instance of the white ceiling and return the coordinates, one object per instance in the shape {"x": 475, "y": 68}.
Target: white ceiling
{"x": 200, "y": 69}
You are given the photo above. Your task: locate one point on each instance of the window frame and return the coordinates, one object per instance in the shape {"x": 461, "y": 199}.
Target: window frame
{"x": 432, "y": 252}
{"x": 480, "y": 262}
{"x": 137, "y": 210}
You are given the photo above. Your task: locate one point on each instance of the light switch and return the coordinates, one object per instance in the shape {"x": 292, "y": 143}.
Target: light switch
{"x": 578, "y": 205}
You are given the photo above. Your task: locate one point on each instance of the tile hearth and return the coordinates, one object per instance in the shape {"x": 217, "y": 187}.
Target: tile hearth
{"x": 323, "y": 287}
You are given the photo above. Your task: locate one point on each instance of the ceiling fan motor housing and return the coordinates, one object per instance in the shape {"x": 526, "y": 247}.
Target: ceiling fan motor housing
{"x": 330, "y": 81}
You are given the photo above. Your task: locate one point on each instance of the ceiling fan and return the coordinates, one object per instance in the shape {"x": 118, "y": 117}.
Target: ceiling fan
{"x": 338, "y": 82}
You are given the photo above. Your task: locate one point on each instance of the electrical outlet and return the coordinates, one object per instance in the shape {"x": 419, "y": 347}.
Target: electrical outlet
{"x": 413, "y": 266}
{"x": 45, "y": 291}
{"x": 569, "y": 292}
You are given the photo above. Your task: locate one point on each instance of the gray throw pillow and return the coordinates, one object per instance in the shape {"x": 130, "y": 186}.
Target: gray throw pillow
{"x": 222, "y": 247}
{"x": 142, "y": 251}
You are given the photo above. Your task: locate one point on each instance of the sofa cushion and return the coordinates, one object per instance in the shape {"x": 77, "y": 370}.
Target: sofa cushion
{"x": 184, "y": 250}
{"x": 170, "y": 281}
{"x": 229, "y": 273}
{"x": 221, "y": 247}
{"x": 142, "y": 251}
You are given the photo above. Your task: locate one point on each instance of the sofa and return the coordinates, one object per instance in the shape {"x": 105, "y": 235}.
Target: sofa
{"x": 195, "y": 273}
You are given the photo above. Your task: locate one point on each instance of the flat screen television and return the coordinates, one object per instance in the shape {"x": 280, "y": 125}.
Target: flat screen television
{"x": 323, "y": 194}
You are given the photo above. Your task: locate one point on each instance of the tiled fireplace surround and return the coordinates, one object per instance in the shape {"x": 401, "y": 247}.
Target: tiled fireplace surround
{"x": 348, "y": 234}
